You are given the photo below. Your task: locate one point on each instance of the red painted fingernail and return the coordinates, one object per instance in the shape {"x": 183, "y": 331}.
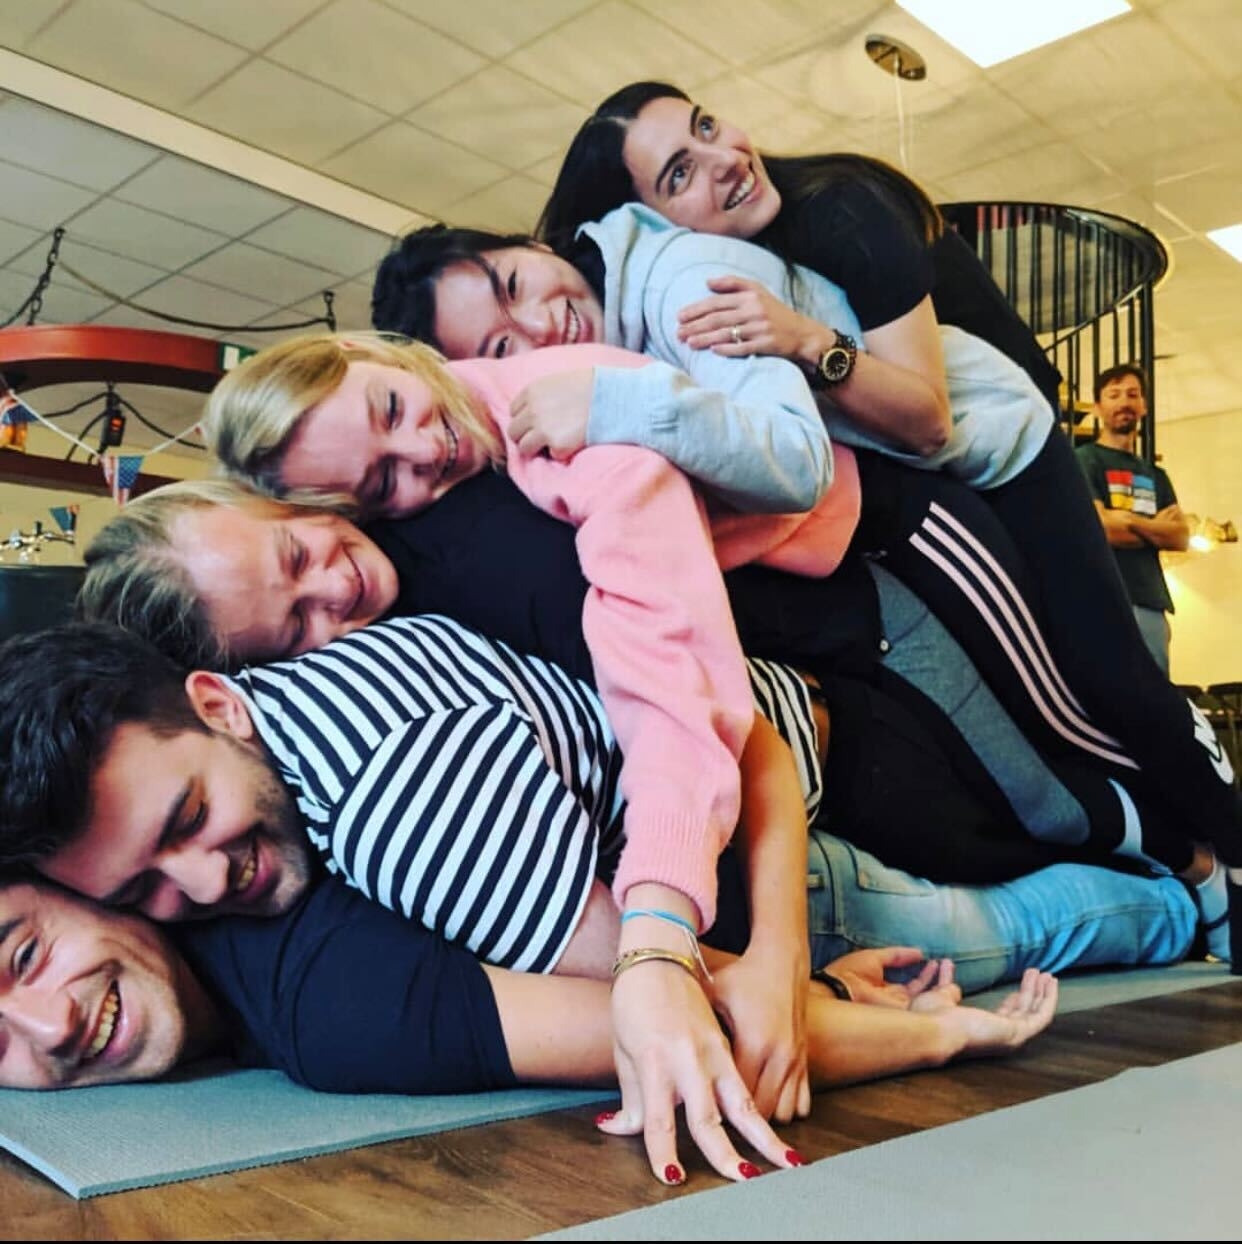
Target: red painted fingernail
{"x": 673, "y": 1174}
{"x": 794, "y": 1158}
{"x": 605, "y": 1116}
{"x": 748, "y": 1170}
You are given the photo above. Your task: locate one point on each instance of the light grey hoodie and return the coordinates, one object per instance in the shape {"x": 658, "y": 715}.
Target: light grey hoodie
{"x": 756, "y": 445}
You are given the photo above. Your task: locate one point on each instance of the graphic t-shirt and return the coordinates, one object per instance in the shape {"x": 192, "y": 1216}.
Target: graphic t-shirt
{"x": 1124, "y": 481}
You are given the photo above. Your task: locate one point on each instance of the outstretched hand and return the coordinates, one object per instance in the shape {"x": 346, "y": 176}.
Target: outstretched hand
{"x": 863, "y": 972}
{"x": 1022, "y": 1015}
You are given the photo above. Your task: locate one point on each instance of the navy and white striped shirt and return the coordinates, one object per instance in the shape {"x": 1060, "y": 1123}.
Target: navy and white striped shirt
{"x": 464, "y": 785}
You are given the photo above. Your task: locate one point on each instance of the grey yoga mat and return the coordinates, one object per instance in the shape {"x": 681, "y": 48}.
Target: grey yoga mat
{"x": 1147, "y": 1155}
{"x": 228, "y": 1120}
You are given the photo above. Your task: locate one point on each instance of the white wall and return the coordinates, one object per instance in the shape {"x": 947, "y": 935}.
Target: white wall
{"x": 1203, "y": 457}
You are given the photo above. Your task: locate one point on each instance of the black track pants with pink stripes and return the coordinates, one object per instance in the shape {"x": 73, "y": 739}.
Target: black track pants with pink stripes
{"x": 1023, "y": 576}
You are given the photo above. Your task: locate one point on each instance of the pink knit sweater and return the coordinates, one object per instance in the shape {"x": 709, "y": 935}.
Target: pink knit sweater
{"x": 668, "y": 663}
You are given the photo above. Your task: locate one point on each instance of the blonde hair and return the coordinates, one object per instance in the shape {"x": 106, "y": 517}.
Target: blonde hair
{"x": 135, "y": 576}
{"x": 254, "y": 410}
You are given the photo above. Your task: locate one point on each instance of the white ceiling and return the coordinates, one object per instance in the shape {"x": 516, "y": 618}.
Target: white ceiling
{"x": 354, "y": 119}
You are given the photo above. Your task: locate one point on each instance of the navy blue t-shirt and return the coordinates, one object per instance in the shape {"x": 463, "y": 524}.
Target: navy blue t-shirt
{"x": 345, "y": 996}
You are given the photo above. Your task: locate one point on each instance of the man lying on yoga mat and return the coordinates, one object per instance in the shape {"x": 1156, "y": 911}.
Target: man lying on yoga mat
{"x": 343, "y": 995}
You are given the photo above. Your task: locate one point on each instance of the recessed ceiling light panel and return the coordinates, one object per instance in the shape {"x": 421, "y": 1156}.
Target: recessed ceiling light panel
{"x": 989, "y": 32}
{"x": 1229, "y": 239}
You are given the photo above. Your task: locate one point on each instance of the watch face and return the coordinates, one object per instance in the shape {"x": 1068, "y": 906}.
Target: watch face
{"x": 835, "y": 364}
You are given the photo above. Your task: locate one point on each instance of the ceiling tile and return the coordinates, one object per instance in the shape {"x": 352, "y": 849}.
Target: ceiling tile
{"x": 67, "y": 302}
{"x": 493, "y": 27}
{"x": 193, "y": 192}
{"x": 1208, "y": 200}
{"x": 502, "y": 115}
{"x": 1138, "y": 207}
{"x": 242, "y": 267}
{"x": 1168, "y": 137}
{"x": 271, "y": 107}
{"x": 23, "y": 19}
{"x": 134, "y": 50}
{"x": 1048, "y": 174}
{"x": 352, "y": 306}
{"x": 1081, "y": 82}
{"x": 509, "y": 206}
{"x": 195, "y": 300}
{"x": 142, "y": 235}
{"x": 408, "y": 166}
{"x": 315, "y": 237}
{"x": 800, "y": 130}
{"x": 73, "y": 150}
{"x": 590, "y": 56}
{"x": 983, "y": 124}
{"x": 743, "y": 101}
{"x": 116, "y": 276}
{"x": 545, "y": 171}
{"x": 745, "y": 31}
{"x": 130, "y": 317}
{"x": 1210, "y": 29}
{"x": 14, "y": 239}
{"x": 261, "y": 340}
{"x": 38, "y": 200}
{"x": 242, "y": 22}
{"x": 15, "y": 288}
{"x": 372, "y": 53}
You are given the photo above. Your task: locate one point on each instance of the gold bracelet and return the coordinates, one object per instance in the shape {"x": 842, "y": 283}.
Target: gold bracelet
{"x": 642, "y": 955}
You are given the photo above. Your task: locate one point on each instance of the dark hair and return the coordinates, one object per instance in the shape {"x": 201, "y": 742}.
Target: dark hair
{"x": 594, "y": 179}
{"x": 403, "y": 297}
{"x": 801, "y": 177}
{"x": 67, "y": 689}
{"x": 1121, "y": 370}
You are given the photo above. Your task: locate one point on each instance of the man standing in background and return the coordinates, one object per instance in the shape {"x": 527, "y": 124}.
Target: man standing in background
{"x": 1135, "y": 500}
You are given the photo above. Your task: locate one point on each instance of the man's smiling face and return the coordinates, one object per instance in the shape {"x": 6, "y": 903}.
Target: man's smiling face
{"x": 189, "y": 824}
{"x": 88, "y": 996}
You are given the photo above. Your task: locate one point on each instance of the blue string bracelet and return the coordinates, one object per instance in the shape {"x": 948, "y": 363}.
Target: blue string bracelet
{"x": 657, "y": 913}
{"x": 670, "y": 917}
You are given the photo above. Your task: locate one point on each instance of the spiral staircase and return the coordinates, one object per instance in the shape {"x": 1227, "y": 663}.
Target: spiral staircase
{"x": 1083, "y": 280}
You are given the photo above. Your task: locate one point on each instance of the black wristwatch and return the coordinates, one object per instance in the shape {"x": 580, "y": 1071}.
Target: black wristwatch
{"x": 837, "y": 362}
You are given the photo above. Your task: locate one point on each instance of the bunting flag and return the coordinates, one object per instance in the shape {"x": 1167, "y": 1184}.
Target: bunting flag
{"x": 15, "y": 418}
{"x": 121, "y": 471}
{"x": 66, "y": 517}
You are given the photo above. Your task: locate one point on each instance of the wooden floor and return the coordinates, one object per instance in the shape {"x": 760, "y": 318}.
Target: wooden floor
{"x": 517, "y": 1179}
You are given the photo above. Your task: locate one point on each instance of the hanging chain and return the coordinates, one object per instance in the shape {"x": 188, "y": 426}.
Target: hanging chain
{"x": 181, "y": 319}
{"x": 35, "y": 301}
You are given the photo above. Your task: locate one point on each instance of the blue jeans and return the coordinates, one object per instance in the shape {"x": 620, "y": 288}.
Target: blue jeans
{"x": 1064, "y": 916}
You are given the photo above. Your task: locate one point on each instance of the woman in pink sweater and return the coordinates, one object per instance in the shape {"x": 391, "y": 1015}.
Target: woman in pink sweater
{"x": 306, "y": 416}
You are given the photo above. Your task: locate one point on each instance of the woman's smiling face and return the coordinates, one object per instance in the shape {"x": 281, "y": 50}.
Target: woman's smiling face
{"x": 512, "y": 300}
{"x": 699, "y": 171}
{"x": 274, "y": 586}
{"x": 382, "y": 438}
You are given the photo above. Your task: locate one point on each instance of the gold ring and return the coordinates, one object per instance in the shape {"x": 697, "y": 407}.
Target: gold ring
{"x": 736, "y": 334}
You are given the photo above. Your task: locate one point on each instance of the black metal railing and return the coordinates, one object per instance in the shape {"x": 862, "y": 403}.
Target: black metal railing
{"x": 1083, "y": 280}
